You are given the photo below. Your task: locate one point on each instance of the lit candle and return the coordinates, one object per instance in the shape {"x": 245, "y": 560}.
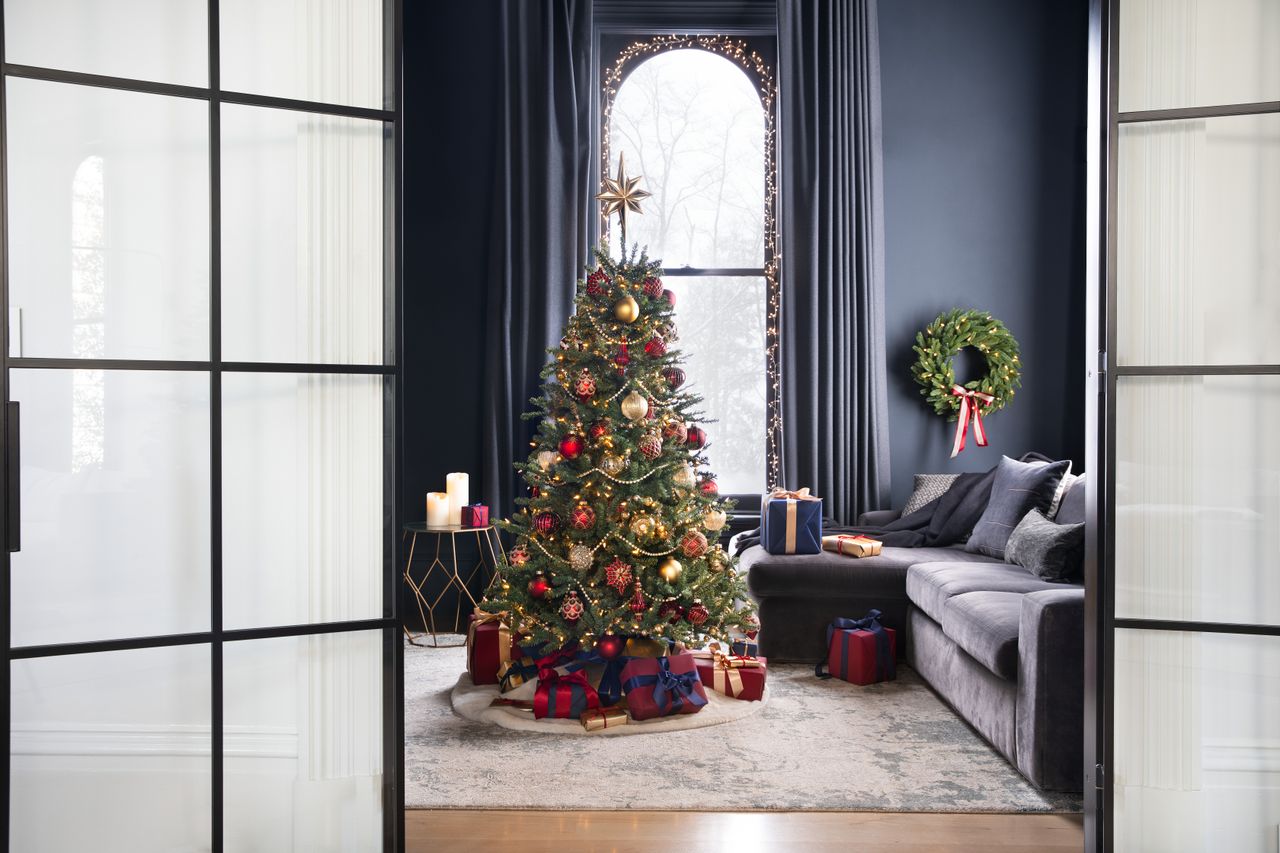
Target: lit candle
{"x": 437, "y": 509}
{"x": 457, "y": 487}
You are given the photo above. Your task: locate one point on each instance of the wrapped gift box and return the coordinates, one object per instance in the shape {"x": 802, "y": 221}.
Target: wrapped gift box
{"x": 744, "y": 646}
{"x": 861, "y": 651}
{"x": 515, "y": 672}
{"x": 603, "y": 718}
{"x": 475, "y": 515}
{"x": 852, "y": 546}
{"x": 490, "y": 643}
{"x": 791, "y": 523}
{"x": 734, "y": 676}
{"x": 564, "y": 696}
{"x": 660, "y": 687}
{"x": 645, "y": 647}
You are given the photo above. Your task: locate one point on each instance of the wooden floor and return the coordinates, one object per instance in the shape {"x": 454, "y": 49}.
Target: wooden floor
{"x": 447, "y": 831}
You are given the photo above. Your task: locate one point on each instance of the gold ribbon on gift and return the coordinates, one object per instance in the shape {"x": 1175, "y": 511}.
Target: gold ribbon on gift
{"x": 725, "y": 677}
{"x": 596, "y": 719}
{"x": 504, "y": 635}
{"x": 791, "y": 497}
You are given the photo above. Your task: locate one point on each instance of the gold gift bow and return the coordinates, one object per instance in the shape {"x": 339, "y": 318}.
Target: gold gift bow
{"x": 791, "y": 498}
{"x": 504, "y": 634}
{"x": 725, "y": 677}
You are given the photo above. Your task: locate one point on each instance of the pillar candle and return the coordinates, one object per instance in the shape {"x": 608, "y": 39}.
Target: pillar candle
{"x": 457, "y": 486}
{"x": 437, "y": 509}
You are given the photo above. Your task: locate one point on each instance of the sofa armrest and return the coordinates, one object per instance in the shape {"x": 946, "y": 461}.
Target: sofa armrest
{"x": 1050, "y": 717}
{"x": 878, "y": 517}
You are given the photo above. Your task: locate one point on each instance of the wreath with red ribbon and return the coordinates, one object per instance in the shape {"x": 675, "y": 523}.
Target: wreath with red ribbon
{"x": 935, "y": 349}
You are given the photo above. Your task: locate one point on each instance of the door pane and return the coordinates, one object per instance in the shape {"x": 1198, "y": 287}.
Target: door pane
{"x": 115, "y": 505}
{"x": 1198, "y": 498}
{"x": 304, "y": 744}
{"x": 302, "y": 498}
{"x": 110, "y": 752}
{"x": 1198, "y": 258}
{"x": 165, "y": 41}
{"x": 301, "y": 237}
{"x": 1198, "y": 729}
{"x": 313, "y": 50}
{"x": 108, "y": 223}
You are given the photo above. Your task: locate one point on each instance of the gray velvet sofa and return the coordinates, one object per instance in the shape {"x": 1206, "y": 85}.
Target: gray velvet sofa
{"x": 1004, "y": 648}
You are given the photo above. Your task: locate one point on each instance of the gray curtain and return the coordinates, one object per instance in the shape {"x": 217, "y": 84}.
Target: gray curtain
{"x": 538, "y": 237}
{"x": 832, "y": 358}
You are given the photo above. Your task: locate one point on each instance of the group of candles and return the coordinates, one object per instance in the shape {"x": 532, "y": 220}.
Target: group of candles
{"x": 445, "y": 508}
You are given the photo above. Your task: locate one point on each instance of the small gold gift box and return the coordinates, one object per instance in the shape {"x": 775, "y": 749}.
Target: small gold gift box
{"x": 852, "y": 546}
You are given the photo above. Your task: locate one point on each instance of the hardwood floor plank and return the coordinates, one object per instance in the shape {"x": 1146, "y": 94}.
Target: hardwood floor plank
{"x": 465, "y": 830}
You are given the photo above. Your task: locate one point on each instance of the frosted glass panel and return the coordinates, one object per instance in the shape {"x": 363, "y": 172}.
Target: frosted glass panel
{"x": 721, "y": 322}
{"x": 304, "y": 744}
{"x": 115, "y": 505}
{"x": 110, "y": 752}
{"x": 1198, "y": 257}
{"x": 1197, "y": 731}
{"x": 164, "y": 41}
{"x": 314, "y": 50}
{"x": 301, "y": 237}
{"x": 302, "y": 498}
{"x": 1192, "y": 53}
{"x": 1197, "y": 490}
{"x": 108, "y": 223}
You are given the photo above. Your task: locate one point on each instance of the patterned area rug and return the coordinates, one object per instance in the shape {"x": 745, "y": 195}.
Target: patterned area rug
{"x": 817, "y": 745}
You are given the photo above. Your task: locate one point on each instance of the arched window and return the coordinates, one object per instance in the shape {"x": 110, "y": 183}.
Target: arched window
{"x": 694, "y": 117}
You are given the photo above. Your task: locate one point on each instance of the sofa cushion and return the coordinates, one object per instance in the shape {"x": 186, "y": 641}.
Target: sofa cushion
{"x": 929, "y": 585}
{"x": 1071, "y": 509}
{"x": 1048, "y": 550}
{"x": 985, "y": 624}
{"x": 1018, "y": 488}
{"x": 828, "y": 574}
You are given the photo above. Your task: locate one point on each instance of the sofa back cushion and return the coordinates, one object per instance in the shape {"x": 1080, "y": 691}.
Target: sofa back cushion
{"x": 1053, "y": 552}
{"x": 1018, "y": 488}
{"x": 1071, "y": 509}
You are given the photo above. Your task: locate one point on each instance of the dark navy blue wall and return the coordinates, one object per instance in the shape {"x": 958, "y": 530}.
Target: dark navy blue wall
{"x": 983, "y": 105}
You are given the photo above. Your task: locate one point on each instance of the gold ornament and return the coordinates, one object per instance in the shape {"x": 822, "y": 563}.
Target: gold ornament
{"x": 626, "y": 309}
{"x": 635, "y": 406}
{"x": 621, "y": 194}
{"x": 670, "y": 569}
{"x": 613, "y": 465}
{"x": 643, "y": 526}
{"x": 715, "y": 559}
{"x": 546, "y": 459}
{"x": 580, "y": 557}
{"x": 684, "y": 477}
{"x": 714, "y": 519}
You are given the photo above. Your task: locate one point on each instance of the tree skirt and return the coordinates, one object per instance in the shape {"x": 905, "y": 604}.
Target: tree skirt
{"x": 473, "y": 701}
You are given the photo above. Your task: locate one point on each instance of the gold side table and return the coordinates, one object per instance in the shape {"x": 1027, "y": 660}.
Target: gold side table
{"x": 491, "y": 560}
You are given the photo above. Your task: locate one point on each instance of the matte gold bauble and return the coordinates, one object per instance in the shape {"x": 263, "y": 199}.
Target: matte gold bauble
{"x": 635, "y": 406}
{"x": 714, "y": 519}
{"x": 670, "y": 569}
{"x": 626, "y": 309}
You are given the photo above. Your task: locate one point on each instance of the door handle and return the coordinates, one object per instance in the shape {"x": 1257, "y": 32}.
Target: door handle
{"x": 13, "y": 482}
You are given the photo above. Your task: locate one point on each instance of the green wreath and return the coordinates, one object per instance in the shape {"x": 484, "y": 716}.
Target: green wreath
{"x": 951, "y": 332}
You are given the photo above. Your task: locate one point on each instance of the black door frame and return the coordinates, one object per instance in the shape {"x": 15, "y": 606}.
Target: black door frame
{"x": 389, "y": 624}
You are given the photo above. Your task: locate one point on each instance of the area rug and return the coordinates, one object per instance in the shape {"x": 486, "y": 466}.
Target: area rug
{"x": 821, "y": 745}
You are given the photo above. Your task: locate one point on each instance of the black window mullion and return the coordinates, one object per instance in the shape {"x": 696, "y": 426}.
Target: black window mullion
{"x": 216, "y": 716}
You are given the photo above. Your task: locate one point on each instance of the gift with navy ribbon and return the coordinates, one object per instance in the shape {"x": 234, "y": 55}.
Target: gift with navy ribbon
{"x": 660, "y": 687}
{"x": 563, "y": 695}
{"x": 860, "y": 651}
{"x": 515, "y": 672}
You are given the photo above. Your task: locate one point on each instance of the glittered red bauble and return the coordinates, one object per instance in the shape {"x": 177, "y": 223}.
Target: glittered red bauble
{"x": 653, "y": 410}
{"x": 698, "y": 613}
{"x": 572, "y": 607}
{"x": 653, "y": 287}
{"x": 638, "y": 604}
{"x": 582, "y": 517}
{"x": 709, "y": 487}
{"x": 696, "y": 437}
{"x": 571, "y": 447}
{"x": 617, "y": 574}
{"x": 670, "y": 296}
{"x": 623, "y": 358}
{"x": 584, "y": 387}
{"x": 675, "y": 432}
{"x": 694, "y": 544}
{"x": 596, "y": 282}
{"x": 534, "y": 491}
{"x": 610, "y": 646}
{"x": 674, "y": 377}
{"x": 598, "y": 429}
{"x": 539, "y": 586}
{"x": 651, "y": 445}
{"x": 519, "y": 556}
{"x": 672, "y": 610}
{"x": 656, "y": 348}
{"x": 546, "y": 522}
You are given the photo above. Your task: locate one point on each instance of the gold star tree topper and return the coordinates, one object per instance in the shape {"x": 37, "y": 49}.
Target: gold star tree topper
{"x": 620, "y": 195}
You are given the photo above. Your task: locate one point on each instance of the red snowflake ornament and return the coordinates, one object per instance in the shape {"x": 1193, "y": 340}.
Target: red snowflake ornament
{"x": 617, "y": 574}
{"x": 598, "y": 430}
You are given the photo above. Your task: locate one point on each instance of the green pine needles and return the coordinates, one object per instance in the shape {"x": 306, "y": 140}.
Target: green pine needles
{"x": 951, "y": 332}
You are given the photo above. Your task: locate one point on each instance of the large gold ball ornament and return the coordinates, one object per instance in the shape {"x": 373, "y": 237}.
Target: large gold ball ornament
{"x": 635, "y": 406}
{"x": 670, "y": 569}
{"x": 626, "y": 309}
{"x": 613, "y": 465}
{"x": 643, "y": 527}
{"x": 580, "y": 557}
{"x": 714, "y": 519}
{"x": 684, "y": 477}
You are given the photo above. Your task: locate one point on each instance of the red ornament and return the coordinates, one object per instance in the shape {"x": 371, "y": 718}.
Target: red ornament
{"x": 598, "y": 429}
{"x": 623, "y": 358}
{"x": 651, "y": 445}
{"x": 696, "y": 437}
{"x": 584, "y": 387}
{"x": 694, "y": 544}
{"x": 675, "y": 432}
{"x": 610, "y": 646}
{"x": 572, "y": 607}
{"x": 653, "y": 410}
{"x": 617, "y": 574}
{"x": 534, "y": 491}
{"x": 709, "y": 487}
{"x": 672, "y": 610}
{"x": 670, "y": 296}
{"x": 596, "y": 282}
{"x": 546, "y": 522}
{"x": 751, "y": 626}
{"x": 698, "y": 613}
{"x": 656, "y": 348}
{"x": 674, "y": 377}
{"x": 539, "y": 586}
{"x": 571, "y": 446}
{"x": 638, "y": 604}
{"x": 519, "y": 556}
{"x": 582, "y": 517}
{"x": 653, "y": 287}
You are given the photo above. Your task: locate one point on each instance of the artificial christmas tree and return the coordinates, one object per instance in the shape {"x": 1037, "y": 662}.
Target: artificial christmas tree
{"x": 618, "y": 537}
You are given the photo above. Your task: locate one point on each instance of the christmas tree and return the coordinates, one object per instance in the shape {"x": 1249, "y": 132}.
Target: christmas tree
{"x": 619, "y": 536}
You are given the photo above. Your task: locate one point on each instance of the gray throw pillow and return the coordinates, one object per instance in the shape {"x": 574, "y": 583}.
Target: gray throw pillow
{"x": 929, "y": 487}
{"x": 1055, "y": 552}
{"x": 1018, "y": 488}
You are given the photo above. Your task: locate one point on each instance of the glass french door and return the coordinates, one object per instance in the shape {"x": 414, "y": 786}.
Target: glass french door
{"x": 200, "y": 279}
{"x": 1186, "y": 637}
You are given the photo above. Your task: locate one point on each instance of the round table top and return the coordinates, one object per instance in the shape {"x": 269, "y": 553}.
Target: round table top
{"x": 423, "y": 527}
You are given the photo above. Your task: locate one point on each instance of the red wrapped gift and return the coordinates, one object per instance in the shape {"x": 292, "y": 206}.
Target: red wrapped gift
{"x": 660, "y": 687}
{"x": 490, "y": 643}
{"x": 861, "y": 651}
{"x": 735, "y": 676}
{"x": 475, "y": 515}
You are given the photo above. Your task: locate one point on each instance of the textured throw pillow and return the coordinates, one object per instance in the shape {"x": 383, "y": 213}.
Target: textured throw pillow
{"x": 1018, "y": 488}
{"x": 929, "y": 487}
{"x": 1055, "y": 552}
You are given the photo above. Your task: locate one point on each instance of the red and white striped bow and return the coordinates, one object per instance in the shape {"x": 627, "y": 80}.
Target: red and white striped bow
{"x": 970, "y": 402}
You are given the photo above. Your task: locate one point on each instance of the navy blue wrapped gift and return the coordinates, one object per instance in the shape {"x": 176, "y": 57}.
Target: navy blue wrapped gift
{"x": 791, "y": 523}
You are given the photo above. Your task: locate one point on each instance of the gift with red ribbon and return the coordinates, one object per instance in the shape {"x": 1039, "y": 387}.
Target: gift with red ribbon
{"x": 971, "y": 403}
{"x": 660, "y": 687}
{"x": 735, "y": 676}
{"x": 490, "y": 643}
{"x": 791, "y": 522}
{"x": 563, "y": 695}
{"x": 852, "y": 545}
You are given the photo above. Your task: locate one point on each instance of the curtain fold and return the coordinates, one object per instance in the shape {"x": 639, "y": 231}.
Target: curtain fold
{"x": 832, "y": 358}
{"x": 539, "y": 227}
